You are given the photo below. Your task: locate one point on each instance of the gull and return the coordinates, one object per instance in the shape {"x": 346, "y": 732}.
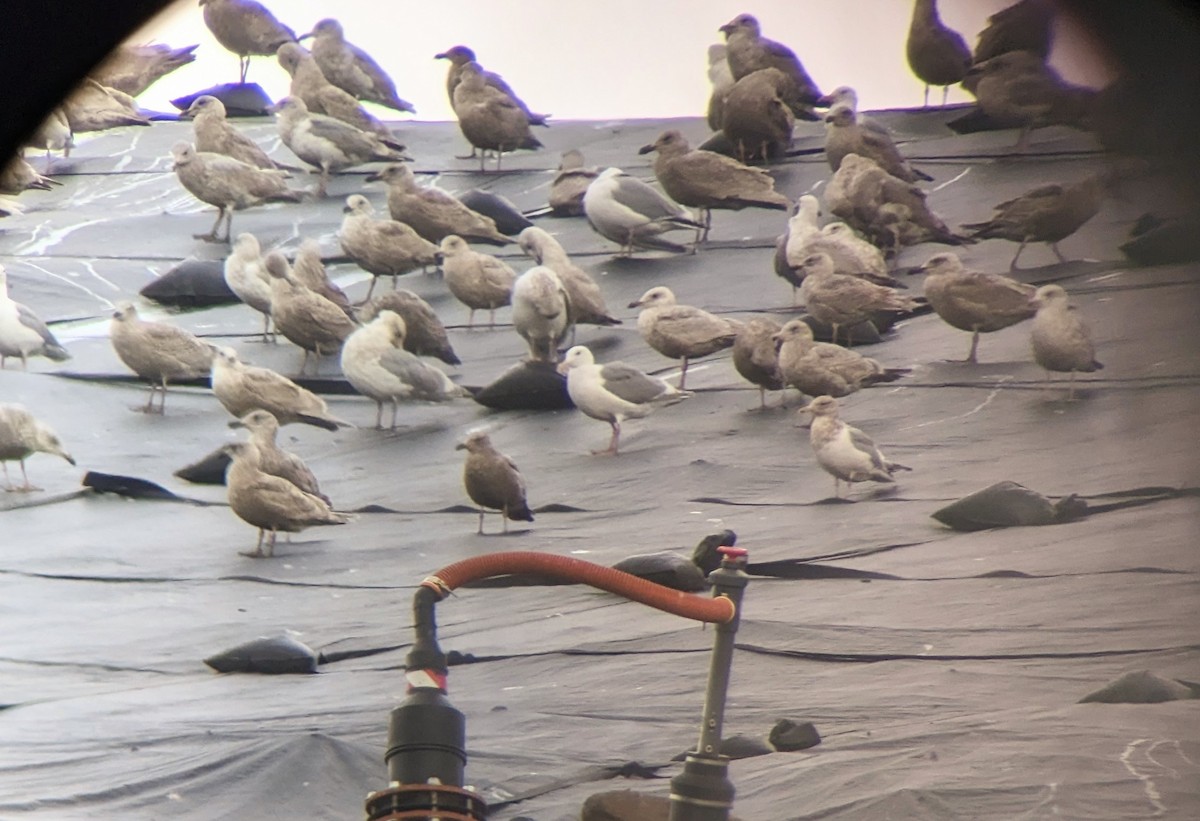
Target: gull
{"x": 845, "y": 452}
{"x": 479, "y": 281}
{"x": 272, "y": 459}
{"x": 309, "y": 269}
{"x": 720, "y": 77}
{"x": 1061, "y": 339}
{"x": 157, "y": 352}
{"x": 490, "y": 119}
{"x": 1024, "y": 26}
{"x": 351, "y": 69}
{"x": 541, "y": 312}
{"x": 22, "y": 332}
{"x": 21, "y": 436}
{"x": 587, "y": 303}
{"x": 493, "y": 481}
{"x": 246, "y": 275}
{"x": 459, "y": 56}
{"x": 756, "y": 120}
{"x": 216, "y": 135}
{"x": 841, "y": 300}
{"x": 681, "y": 331}
{"x": 134, "y": 68}
{"x": 432, "y": 213}
{"x": 632, "y": 214}
{"x": 820, "y": 368}
{"x": 425, "y": 335}
{"x": 322, "y": 96}
{"x": 246, "y": 28}
{"x": 748, "y": 51}
{"x": 570, "y": 184}
{"x": 936, "y": 53}
{"x": 802, "y": 237}
{"x": 382, "y": 247}
{"x": 844, "y": 135}
{"x": 755, "y": 356}
{"x": 242, "y": 389}
{"x": 303, "y": 316}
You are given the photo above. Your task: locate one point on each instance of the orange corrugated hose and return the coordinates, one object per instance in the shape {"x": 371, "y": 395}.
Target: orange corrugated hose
{"x": 718, "y": 610}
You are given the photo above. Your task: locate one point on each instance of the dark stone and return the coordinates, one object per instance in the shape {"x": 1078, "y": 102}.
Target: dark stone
{"x": 625, "y": 805}
{"x": 1007, "y": 504}
{"x": 1142, "y": 687}
{"x": 706, "y": 557}
{"x": 239, "y": 99}
{"x": 668, "y": 569}
{"x": 193, "y": 283}
{"x": 508, "y": 219}
{"x": 1156, "y": 241}
{"x": 208, "y": 471}
{"x": 128, "y": 486}
{"x": 527, "y": 385}
{"x": 737, "y": 746}
{"x": 272, "y": 656}
{"x": 787, "y": 736}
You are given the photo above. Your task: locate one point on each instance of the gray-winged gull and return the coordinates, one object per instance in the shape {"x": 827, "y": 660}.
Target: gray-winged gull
{"x": 802, "y": 237}
{"x": 846, "y": 453}
{"x": 587, "y": 302}
{"x": 748, "y": 51}
{"x": 459, "y": 56}
{"x": 570, "y": 184}
{"x": 1024, "y": 26}
{"x": 972, "y": 301}
{"x": 270, "y": 503}
{"x": 246, "y": 275}
{"x": 479, "y": 281}
{"x": 22, "y": 332}
{"x": 309, "y": 269}
{"x": 351, "y": 69}
{"x": 936, "y": 53}
{"x": 376, "y": 364}
{"x": 425, "y": 335}
{"x": 322, "y": 96}
{"x": 243, "y": 388}
{"x": 21, "y": 436}
{"x": 246, "y": 28}
{"x": 1018, "y": 90}
{"x": 272, "y": 459}
{"x": 613, "y": 392}
{"x": 228, "y": 184}
{"x": 756, "y": 121}
{"x": 755, "y": 357}
{"x": 841, "y": 300}
{"x": 541, "y": 312}
{"x": 820, "y": 368}
{"x": 134, "y": 68}
{"x": 432, "y": 213}
{"x": 625, "y": 210}
{"x": 844, "y": 135}
{"x": 681, "y": 332}
{"x": 382, "y": 247}
{"x": 1061, "y": 339}
{"x": 216, "y": 135}
{"x": 304, "y": 317}
{"x": 490, "y": 119}
{"x": 493, "y": 481}
{"x": 157, "y": 352}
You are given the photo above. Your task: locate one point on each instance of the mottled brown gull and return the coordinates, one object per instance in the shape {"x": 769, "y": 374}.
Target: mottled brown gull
{"x": 570, "y": 184}
{"x": 846, "y": 453}
{"x": 21, "y": 436}
{"x": 351, "y": 69}
{"x": 22, "y": 332}
{"x": 479, "y": 281}
{"x": 844, "y": 135}
{"x": 93, "y": 107}
{"x": 973, "y": 301}
{"x": 490, "y": 119}
{"x": 936, "y": 53}
{"x": 625, "y": 210}
{"x": 432, "y": 213}
{"x": 246, "y": 28}
{"x": 425, "y": 335}
{"x": 243, "y": 388}
{"x": 303, "y": 316}
{"x": 541, "y": 312}
{"x": 270, "y": 503}
{"x": 309, "y": 269}
{"x": 613, "y": 392}
{"x": 802, "y": 237}
{"x": 216, "y": 135}
{"x": 681, "y": 332}
{"x": 459, "y": 56}
{"x": 246, "y": 275}
{"x": 841, "y": 300}
{"x": 272, "y": 459}
{"x": 54, "y": 134}
{"x": 1024, "y": 26}
{"x": 756, "y": 121}
{"x": 820, "y": 368}
{"x": 587, "y": 302}
{"x": 322, "y": 96}
{"x": 1061, "y": 339}
{"x": 382, "y": 247}
{"x": 18, "y": 176}
{"x": 755, "y": 357}
{"x": 134, "y": 68}
{"x": 748, "y": 51}
{"x": 492, "y": 481}
{"x": 721, "y": 79}
{"x": 157, "y": 352}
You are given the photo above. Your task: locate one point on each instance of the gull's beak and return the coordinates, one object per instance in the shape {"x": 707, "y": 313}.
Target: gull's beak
{"x": 645, "y": 149}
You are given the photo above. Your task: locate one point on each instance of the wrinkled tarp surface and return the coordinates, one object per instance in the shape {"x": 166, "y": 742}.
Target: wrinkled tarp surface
{"x": 942, "y": 669}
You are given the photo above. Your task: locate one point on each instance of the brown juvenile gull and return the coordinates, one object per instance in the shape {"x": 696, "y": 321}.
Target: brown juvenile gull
{"x": 376, "y": 364}
{"x": 493, "y": 481}
{"x": 570, "y": 184}
{"x": 841, "y": 300}
{"x": 269, "y": 502}
{"x": 228, "y": 184}
{"x": 479, "y": 281}
{"x": 246, "y": 275}
{"x": 541, "y": 312}
{"x": 243, "y": 388}
{"x": 425, "y": 334}
{"x": 747, "y": 51}
{"x": 93, "y": 107}
{"x": 246, "y": 28}
{"x": 1061, "y": 339}
{"x": 937, "y": 54}
{"x": 19, "y": 176}
{"x": 721, "y": 79}
{"x": 23, "y": 333}
{"x": 216, "y": 135}
{"x": 755, "y": 357}
{"x": 844, "y": 135}
{"x": 973, "y": 301}
{"x": 322, "y": 96}
{"x": 613, "y": 392}
{"x": 488, "y": 118}
{"x": 846, "y": 453}
{"x": 587, "y": 303}
{"x": 351, "y": 69}
{"x": 625, "y": 210}
{"x": 1024, "y": 26}
{"x": 309, "y": 269}
{"x": 382, "y": 247}
{"x": 681, "y": 331}
{"x": 54, "y": 134}
{"x": 134, "y": 68}
{"x": 459, "y": 56}
{"x": 1049, "y": 213}
{"x": 432, "y": 213}
{"x": 304, "y": 317}
{"x": 157, "y": 352}
{"x": 757, "y": 122}
{"x": 706, "y": 180}
{"x": 21, "y": 436}
{"x": 272, "y": 459}
{"x": 819, "y": 368}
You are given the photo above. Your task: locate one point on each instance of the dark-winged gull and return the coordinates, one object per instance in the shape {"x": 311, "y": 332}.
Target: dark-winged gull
{"x": 541, "y": 312}
{"x": 351, "y": 69}
{"x": 488, "y": 118}
{"x": 322, "y": 96}
{"x": 246, "y": 275}
{"x": 23, "y": 333}
{"x": 93, "y": 107}
{"x": 228, "y": 184}
{"x": 755, "y": 357}
{"x": 936, "y": 53}
{"x": 21, "y": 436}
{"x": 706, "y": 180}
{"x": 570, "y": 184}
{"x": 748, "y": 51}
{"x": 425, "y": 335}
{"x": 844, "y": 135}
{"x": 757, "y": 121}
{"x": 625, "y": 210}
{"x": 459, "y": 56}
{"x": 272, "y": 459}
{"x": 842, "y": 300}
{"x": 1061, "y": 339}
{"x": 720, "y": 77}
{"x": 1048, "y": 213}
{"x": 973, "y": 301}
{"x": 587, "y": 302}
{"x": 376, "y": 364}
{"x": 493, "y": 481}
{"x": 819, "y": 368}
{"x": 134, "y": 68}
{"x": 1024, "y": 26}
{"x": 846, "y": 453}
{"x": 303, "y": 316}
{"x": 246, "y": 28}
{"x": 270, "y": 503}
{"x": 479, "y": 281}
{"x": 382, "y": 247}
{"x": 681, "y": 332}
{"x": 432, "y": 213}
{"x": 243, "y": 388}
{"x": 157, "y": 352}
{"x": 216, "y": 135}
{"x": 613, "y": 392}
{"x": 309, "y": 269}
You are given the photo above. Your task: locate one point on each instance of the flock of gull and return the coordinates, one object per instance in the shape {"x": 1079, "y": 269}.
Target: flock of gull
{"x": 841, "y": 272}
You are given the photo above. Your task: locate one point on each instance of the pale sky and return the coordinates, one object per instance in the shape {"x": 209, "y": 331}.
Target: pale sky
{"x": 611, "y": 59}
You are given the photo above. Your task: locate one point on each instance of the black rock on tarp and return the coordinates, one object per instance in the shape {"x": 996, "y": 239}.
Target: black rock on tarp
{"x": 1158, "y": 241}
{"x": 506, "y": 216}
{"x": 1142, "y": 687}
{"x": 128, "y": 486}
{"x": 193, "y": 283}
{"x": 209, "y": 470}
{"x": 1008, "y": 504}
{"x": 239, "y": 99}
{"x": 527, "y": 385}
{"x": 277, "y": 655}
{"x": 788, "y": 736}
{"x": 668, "y": 569}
